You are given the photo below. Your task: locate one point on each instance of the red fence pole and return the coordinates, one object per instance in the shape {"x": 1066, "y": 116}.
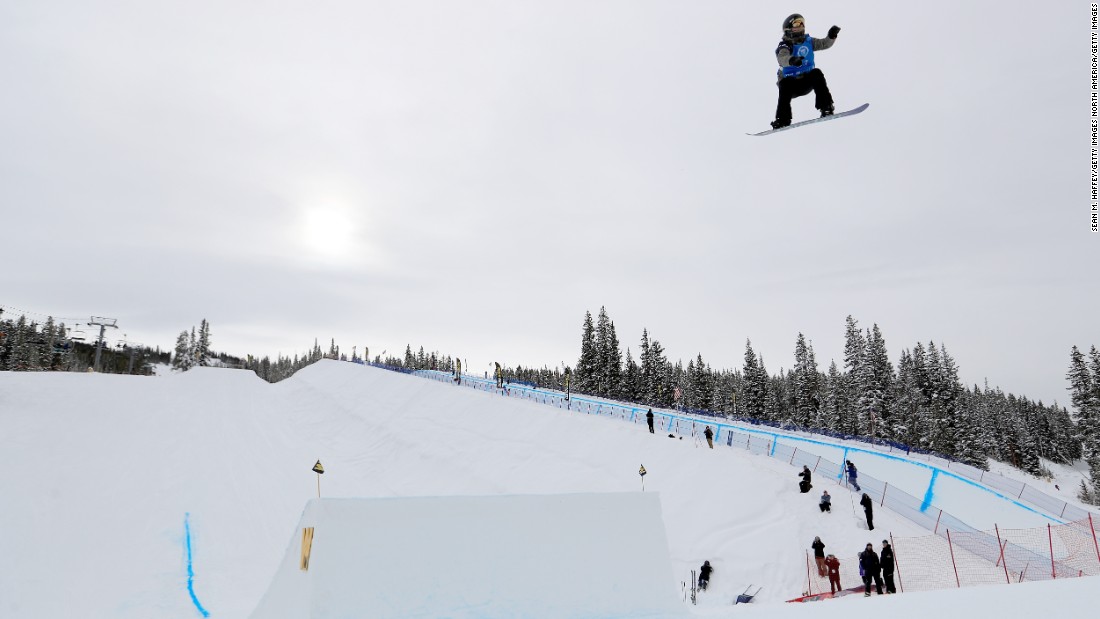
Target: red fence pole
{"x": 1003, "y": 562}
{"x": 934, "y": 531}
{"x": 887, "y": 485}
{"x": 1050, "y": 536}
{"x": 952, "y": 549}
{"x": 896, "y": 564}
{"x": 1097, "y": 546}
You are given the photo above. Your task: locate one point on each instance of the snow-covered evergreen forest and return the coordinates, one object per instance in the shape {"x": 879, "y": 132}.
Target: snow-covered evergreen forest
{"x": 919, "y": 403}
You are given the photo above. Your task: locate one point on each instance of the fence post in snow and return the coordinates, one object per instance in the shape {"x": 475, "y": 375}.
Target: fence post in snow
{"x": 884, "y": 488}
{"x": 952, "y": 549}
{"x": 809, "y": 579}
{"x": 1050, "y": 537}
{"x": 1095, "y": 545}
{"x": 792, "y": 455}
{"x": 816, "y": 464}
{"x": 1002, "y": 559}
{"x": 897, "y": 565}
{"x": 937, "y": 523}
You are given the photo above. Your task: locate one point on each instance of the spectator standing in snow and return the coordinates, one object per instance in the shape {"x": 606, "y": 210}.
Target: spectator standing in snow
{"x": 649, "y": 420}
{"x": 886, "y": 559}
{"x": 869, "y": 564}
{"x": 852, "y": 475}
{"x": 710, "y": 437}
{"x": 819, "y": 555}
{"x": 826, "y": 502}
{"x": 833, "y": 565}
{"x": 499, "y": 374}
{"x": 805, "y": 485}
{"x": 868, "y": 510}
{"x": 704, "y": 575}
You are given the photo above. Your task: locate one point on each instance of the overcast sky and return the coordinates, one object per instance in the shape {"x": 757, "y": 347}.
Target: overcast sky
{"x": 472, "y": 176}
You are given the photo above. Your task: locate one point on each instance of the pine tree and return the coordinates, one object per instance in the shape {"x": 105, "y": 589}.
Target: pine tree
{"x": 183, "y": 358}
{"x": 632, "y": 390}
{"x": 806, "y": 385}
{"x": 203, "y": 347}
{"x": 754, "y": 398}
{"x": 857, "y": 376}
{"x": 878, "y": 384}
{"x": 586, "y": 373}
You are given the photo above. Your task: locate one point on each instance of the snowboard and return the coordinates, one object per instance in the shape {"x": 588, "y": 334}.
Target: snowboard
{"x": 822, "y": 119}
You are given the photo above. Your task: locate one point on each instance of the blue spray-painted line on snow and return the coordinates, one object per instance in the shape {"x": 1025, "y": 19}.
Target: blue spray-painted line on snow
{"x": 190, "y": 567}
{"x": 931, "y": 492}
{"x": 846, "y": 449}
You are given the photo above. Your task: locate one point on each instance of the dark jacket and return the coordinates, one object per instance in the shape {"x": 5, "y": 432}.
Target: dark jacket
{"x": 819, "y": 548}
{"x": 867, "y": 503}
{"x": 708, "y": 432}
{"x": 805, "y": 475}
{"x": 868, "y": 560}
{"x": 704, "y": 572}
{"x": 887, "y": 560}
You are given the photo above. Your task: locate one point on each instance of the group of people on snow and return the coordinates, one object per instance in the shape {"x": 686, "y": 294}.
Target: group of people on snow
{"x": 873, "y": 567}
{"x": 877, "y": 567}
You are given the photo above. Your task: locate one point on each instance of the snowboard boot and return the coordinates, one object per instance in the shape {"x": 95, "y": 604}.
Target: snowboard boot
{"x": 827, "y": 111}
{"x": 779, "y": 123}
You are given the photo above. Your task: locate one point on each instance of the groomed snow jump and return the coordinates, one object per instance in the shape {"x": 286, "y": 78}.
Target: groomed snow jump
{"x": 552, "y": 556}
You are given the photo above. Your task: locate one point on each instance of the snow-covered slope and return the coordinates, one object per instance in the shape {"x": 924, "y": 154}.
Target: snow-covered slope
{"x": 115, "y": 487}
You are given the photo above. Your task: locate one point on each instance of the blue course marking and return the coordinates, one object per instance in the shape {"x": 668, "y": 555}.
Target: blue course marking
{"x": 843, "y": 464}
{"x": 190, "y": 568}
{"x": 879, "y": 454}
{"x": 930, "y": 493}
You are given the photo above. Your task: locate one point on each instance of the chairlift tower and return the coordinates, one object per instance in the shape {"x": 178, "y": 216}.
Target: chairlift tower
{"x": 102, "y": 323}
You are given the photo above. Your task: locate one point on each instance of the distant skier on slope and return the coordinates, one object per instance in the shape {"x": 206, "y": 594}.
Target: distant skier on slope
{"x": 819, "y": 555}
{"x": 704, "y": 575}
{"x": 852, "y": 474}
{"x": 868, "y": 511}
{"x": 798, "y": 75}
{"x": 649, "y": 420}
{"x": 833, "y": 565}
{"x": 805, "y": 485}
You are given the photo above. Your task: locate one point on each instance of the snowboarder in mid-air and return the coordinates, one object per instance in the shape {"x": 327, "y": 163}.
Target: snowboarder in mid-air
{"x": 798, "y": 75}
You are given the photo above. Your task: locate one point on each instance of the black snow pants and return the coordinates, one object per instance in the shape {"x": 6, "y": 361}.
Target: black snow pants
{"x": 794, "y": 87}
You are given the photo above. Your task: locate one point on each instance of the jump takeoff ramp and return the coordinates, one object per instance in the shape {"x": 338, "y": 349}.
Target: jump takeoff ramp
{"x": 555, "y": 557}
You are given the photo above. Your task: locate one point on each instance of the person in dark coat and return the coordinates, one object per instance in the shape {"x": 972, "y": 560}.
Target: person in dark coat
{"x": 805, "y": 485}
{"x": 826, "y": 504}
{"x": 704, "y": 575}
{"x": 649, "y": 420}
{"x": 852, "y": 474}
{"x": 710, "y": 436}
{"x": 868, "y": 510}
{"x": 886, "y": 560}
{"x": 869, "y": 563}
{"x": 819, "y": 555}
{"x": 833, "y": 565}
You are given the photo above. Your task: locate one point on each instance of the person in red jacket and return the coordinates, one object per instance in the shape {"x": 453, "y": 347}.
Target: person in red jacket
{"x": 833, "y": 565}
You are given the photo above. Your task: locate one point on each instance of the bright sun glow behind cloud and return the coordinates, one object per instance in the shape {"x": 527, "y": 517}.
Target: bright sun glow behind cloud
{"x": 329, "y": 234}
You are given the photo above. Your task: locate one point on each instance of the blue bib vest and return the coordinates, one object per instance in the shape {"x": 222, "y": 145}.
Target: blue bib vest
{"x": 804, "y": 49}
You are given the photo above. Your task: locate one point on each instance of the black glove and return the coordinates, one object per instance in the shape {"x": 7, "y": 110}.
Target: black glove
{"x": 835, "y": 30}
{"x": 795, "y": 61}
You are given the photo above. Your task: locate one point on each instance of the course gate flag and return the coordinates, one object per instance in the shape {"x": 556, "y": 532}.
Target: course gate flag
{"x": 320, "y": 470}
{"x": 641, "y": 473}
